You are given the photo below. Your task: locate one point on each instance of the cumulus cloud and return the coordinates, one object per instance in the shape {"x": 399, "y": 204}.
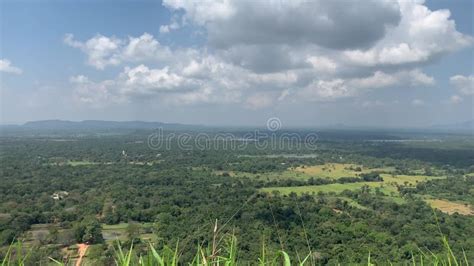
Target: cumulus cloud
{"x": 7, "y": 67}
{"x": 331, "y": 24}
{"x": 101, "y": 51}
{"x": 205, "y": 80}
{"x": 105, "y": 51}
{"x": 322, "y": 64}
{"x": 173, "y": 25}
{"x": 368, "y": 34}
{"x": 422, "y": 35}
{"x": 323, "y": 90}
{"x": 260, "y": 53}
{"x": 464, "y": 84}
{"x": 142, "y": 80}
{"x": 144, "y": 48}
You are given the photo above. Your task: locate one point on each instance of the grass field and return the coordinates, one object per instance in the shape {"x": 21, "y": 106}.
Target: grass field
{"x": 410, "y": 180}
{"x": 334, "y": 171}
{"x": 387, "y": 186}
{"x": 110, "y": 233}
{"x": 114, "y": 232}
{"x": 80, "y": 163}
{"x": 336, "y": 188}
{"x": 328, "y": 170}
{"x": 338, "y": 170}
{"x": 451, "y": 207}
{"x": 287, "y": 174}
{"x": 72, "y": 163}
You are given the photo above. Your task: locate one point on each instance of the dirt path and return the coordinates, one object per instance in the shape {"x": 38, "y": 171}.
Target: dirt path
{"x": 82, "y": 249}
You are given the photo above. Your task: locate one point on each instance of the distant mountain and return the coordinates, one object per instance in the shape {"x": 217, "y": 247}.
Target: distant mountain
{"x": 98, "y": 124}
{"x": 466, "y": 125}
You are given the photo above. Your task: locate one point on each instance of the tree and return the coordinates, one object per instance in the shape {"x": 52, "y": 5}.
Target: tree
{"x": 133, "y": 232}
{"x": 7, "y": 236}
{"x": 88, "y": 231}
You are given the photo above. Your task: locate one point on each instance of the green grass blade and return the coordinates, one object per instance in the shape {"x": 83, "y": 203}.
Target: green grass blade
{"x": 286, "y": 258}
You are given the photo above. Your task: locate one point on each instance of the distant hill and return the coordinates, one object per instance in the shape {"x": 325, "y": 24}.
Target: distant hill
{"x": 98, "y": 124}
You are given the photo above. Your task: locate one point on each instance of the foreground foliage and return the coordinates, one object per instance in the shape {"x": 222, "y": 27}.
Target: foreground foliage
{"x": 227, "y": 254}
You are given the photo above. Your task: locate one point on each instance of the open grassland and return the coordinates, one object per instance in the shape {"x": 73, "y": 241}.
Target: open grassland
{"x": 389, "y": 191}
{"x": 268, "y": 176}
{"x": 114, "y": 232}
{"x": 410, "y": 180}
{"x": 328, "y": 170}
{"x": 61, "y": 162}
{"x": 120, "y": 231}
{"x": 338, "y": 170}
{"x": 40, "y": 233}
{"x": 334, "y": 171}
{"x": 80, "y": 163}
{"x": 388, "y": 186}
{"x": 336, "y": 188}
{"x": 451, "y": 207}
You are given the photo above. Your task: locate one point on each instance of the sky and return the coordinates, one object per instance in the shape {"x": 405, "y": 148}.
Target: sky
{"x": 406, "y": 63}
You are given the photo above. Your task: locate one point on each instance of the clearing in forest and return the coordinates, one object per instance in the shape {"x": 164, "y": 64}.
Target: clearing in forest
{"x": 409, "y": 180}
{"x": 328, "y": 170}
{"x": 388, "y": 186}
{"x": 338, "y": 170}
{"x": 114, "y": 232}
{"x": 336, "y": 188}
{"x": 451, "y": 207}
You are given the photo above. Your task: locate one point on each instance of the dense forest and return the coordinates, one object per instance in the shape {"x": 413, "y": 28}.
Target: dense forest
{"x": 341, "y": 200}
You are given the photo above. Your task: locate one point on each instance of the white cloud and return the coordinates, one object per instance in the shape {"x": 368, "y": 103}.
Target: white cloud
{"x": 419, "y": 78}
{"x": 203, "y": 11}
{"x": 333, "y": 24}
{"x": 259, "y": 101}
{"x": 142, "y": 80}
{"x": 7, "y": 67}
{"x": 322, "y": 64}
{"x": 145, "y": 48}
{"x": 257, "y": 54}
{"x": 377, "y": 80}
{"x": 105, "y": 51}
{"x": 322, "y": 90}
{"x": 455, "y": 99}
{"x": 421, "y": 36}
{"x": 174, "y": 25}
{"x": 465, "y": 84}
{"x": 101, "y": 51}
{"x": 372, "y": 33}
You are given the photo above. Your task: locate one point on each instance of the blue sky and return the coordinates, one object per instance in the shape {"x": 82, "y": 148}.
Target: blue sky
{"x": 315, "y": 63}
